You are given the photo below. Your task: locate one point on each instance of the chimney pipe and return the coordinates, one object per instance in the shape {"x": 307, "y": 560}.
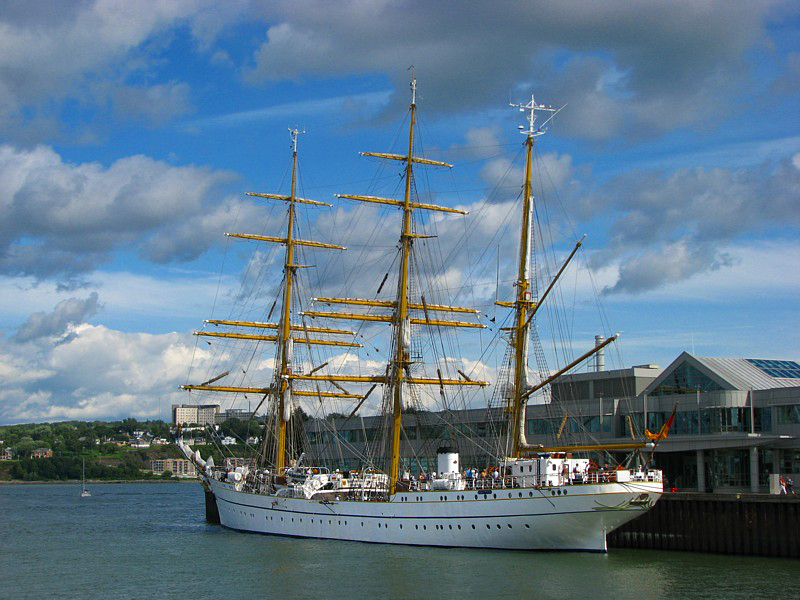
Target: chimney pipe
{"x": 600, "y": 357}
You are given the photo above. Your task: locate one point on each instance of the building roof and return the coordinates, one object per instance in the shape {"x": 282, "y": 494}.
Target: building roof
{"x": 738, "y": 373}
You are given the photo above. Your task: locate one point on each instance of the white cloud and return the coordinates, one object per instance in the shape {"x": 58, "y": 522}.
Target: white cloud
{"x": 64, "y": 219}
{"x": 49, "y": 55}
{"x": 97, "y": 373}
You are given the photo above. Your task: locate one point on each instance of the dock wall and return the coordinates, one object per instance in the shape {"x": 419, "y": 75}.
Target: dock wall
{"x": 751, "y": 524}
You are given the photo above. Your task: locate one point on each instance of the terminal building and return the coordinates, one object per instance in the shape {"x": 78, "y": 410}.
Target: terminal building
{"x": 737, "y": 421}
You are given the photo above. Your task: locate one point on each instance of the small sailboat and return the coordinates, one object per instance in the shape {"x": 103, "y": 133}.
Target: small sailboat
{"x": 84, "y": 492}
{"x": 524, "y": 497}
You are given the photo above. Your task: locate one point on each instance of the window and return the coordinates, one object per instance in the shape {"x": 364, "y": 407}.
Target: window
{"x": 789, "y": 415}
{"x": 685, "y": 379}
{"x": 781, "y": 369}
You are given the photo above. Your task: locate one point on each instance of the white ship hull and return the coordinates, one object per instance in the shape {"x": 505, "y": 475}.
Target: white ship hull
{"x": 573, "y": 517}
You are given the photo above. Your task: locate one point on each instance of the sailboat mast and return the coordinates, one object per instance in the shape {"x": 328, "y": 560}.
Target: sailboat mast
{"x": 524, "y": 302}
{"x": 402, "y": 325}
{"x": 285, "y": 341}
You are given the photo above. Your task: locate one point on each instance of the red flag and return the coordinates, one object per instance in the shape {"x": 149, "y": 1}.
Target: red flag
{"x": 664, "y": 431}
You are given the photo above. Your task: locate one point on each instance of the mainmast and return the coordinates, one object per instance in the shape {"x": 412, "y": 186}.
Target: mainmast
{"x": 398, "y": 376}
{"x": 281, "y": 384}
{"x": 402, "y": 337}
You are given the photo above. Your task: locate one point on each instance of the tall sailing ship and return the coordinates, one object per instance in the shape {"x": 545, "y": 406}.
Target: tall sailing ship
{"x": 523, "y": 496}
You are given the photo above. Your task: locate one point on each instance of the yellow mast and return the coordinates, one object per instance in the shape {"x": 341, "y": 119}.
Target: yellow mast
{"x": 401, "y": 350}
{"x": 282, "y": 381}
{"x": 284, "y": 338}
{"x": 398, "y": 375}
{"x": 525, "y": 307}
{"x": 524, "y": 303}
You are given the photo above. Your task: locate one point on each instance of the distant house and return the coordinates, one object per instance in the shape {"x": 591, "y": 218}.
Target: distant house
{"x": 139, "y": 443}
{"x": 228, "y": 441}
{"x": 6, "y": 454}
{"x": 42, "y": 453}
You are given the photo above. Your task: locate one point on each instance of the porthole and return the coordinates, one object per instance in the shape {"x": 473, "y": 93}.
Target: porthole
{"x": 488, "y": 526}
{"x": 509, "y": 525}
{"x": 450, "y": 526}
{"x": 416, "y": 526}
{"x": 498, "y": 525}
{"x": 527, "y": 526}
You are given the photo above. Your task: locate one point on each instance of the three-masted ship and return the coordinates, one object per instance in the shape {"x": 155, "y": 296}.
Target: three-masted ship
{"x": 534, "y": 498}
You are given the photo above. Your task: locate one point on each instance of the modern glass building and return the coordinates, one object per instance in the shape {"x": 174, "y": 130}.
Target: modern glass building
{"x": 736, "y": 422}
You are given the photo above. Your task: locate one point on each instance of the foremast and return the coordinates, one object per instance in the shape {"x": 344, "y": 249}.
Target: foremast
{"x": 287, "y": 332}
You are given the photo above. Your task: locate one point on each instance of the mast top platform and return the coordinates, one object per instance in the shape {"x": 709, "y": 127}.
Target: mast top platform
{"x": 531, "y": 107}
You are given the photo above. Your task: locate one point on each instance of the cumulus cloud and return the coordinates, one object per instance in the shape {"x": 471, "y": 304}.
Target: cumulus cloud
{"x": 628, "y": 64}
{"x": 59, "y": 53}
{"x": 621, "y": 67}
{"x": 671, "y": 226}
{"x": 59, "y": 219}
{"x": 68, "y": 312}
{"x": 97, "y": 373}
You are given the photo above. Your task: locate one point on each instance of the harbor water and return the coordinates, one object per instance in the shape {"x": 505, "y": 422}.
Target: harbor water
{"x": 150, "y": 540}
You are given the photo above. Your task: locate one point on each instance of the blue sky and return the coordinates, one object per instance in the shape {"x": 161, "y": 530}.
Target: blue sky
{"x": 129, "y": 132}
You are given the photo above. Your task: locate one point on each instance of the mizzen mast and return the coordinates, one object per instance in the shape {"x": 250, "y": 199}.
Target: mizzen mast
{"x": 524, "y": 303}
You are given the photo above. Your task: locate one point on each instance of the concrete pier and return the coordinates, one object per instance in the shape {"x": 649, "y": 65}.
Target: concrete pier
{"x": 753, "y": 524}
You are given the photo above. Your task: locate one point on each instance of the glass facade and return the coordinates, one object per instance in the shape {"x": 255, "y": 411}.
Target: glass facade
{"x": 790, "y": 462}
{"x": 685, "y": 379}
{"x": 789, "y": 415}
{"x": 730, "y": 468}
{"x": 705, "y": 421}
